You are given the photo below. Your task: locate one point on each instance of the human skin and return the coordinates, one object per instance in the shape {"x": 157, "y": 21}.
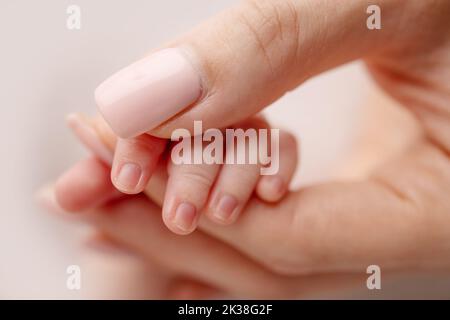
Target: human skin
{"x": 220, "y": 191}
{"x": 397, "y": 217}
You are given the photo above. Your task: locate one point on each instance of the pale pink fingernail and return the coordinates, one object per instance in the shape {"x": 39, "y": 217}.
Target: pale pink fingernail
{"x": 128, "y": 177}
{"x": 225, "y": 207}
{"x": 143, "y": 95}
{"x": 89, "y": 137}
{"x": 185, "y": 216}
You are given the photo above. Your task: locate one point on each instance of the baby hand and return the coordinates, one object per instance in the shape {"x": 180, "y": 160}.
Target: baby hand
{"x": 218, "y": 190}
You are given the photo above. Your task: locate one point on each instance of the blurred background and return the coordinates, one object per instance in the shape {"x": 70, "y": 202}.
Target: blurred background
{"x": 48, "y": 71}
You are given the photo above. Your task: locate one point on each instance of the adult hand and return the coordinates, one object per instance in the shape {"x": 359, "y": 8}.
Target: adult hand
{"x": 134, "y": 222}
{"x": 240, "y": 61}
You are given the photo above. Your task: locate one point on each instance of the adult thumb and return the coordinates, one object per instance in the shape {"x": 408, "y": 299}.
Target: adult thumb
{"x": 237, "y": 63}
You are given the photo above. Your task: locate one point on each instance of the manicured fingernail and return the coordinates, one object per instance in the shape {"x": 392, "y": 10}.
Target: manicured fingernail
{"x": 89, "y": 137}
{"x": 185, "y": 215}
{"x": 143, "y": 95}
{"x": 225, "y": 207}
{"x": 128, "y": 177}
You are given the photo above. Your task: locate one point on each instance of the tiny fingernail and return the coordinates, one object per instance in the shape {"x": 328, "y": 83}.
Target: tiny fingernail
{"x": 185, "y": 215}
{"x": 128, "y": 177}
{"x": 89, "y": 137}
{"x": 225, "y": 207}
{"x": 143, "y": 95}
